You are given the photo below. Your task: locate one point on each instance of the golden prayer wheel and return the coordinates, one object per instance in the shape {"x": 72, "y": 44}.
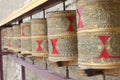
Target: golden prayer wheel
{"x": 10, "y": 38}
{"x": 5, "y": 40}
{"x": 39, "y": 38}
{"x": 62, "y": 35}
{"x": 17, "y": 38}
{"x": 26, "y": 38}
{"x": 98, "y": 33}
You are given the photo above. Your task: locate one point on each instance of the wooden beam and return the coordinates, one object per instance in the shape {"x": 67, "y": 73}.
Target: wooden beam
{"x": 29, "y": 9}
{"x": 33, "y": 4}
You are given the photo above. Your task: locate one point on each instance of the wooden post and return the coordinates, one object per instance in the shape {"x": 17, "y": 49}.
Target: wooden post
{"x": 1, "y": 60}
{"x": 23, "y": 72}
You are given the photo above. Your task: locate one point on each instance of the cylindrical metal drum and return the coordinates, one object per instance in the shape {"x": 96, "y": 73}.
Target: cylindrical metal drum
{"x": 26, "y": 38}
{"x": 17, "y": 38}
{"x": 5, "y": 41}
{"x": 3, "y": 38}
{"x": 62, "y": 35}
{"x": 39, "y": 37}
{"x": 10, "y": 38}
{"x": 98, "y": 33}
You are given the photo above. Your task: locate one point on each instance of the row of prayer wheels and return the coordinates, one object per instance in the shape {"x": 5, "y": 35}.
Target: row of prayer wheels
{"x": 91, "y": 35}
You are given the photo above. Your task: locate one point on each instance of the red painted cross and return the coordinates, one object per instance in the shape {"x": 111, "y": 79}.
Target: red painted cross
{"x": 71, "y": 18}
{"x": 104, "y": 53}
{"x": 39, "y": 42}
{"x": 80, "y": 23}
{"x": 23, "y": 33}
{"x": 54, "y": 42}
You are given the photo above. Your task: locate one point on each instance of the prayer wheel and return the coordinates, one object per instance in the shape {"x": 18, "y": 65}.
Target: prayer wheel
{"x": 5, "y": 39}
{"x": 26, "y": 38}
{"x": 17, "y": 38}
{"x": 39, "y": 38}
{"x": 98, "y": 33}
{"x": 62, "y": 37}
{"x": 10, "y": 38}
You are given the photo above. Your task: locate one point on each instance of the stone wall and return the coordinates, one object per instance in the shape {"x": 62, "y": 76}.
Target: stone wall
{"x": 7, "y": 7}
{"x": 11, "y": 70}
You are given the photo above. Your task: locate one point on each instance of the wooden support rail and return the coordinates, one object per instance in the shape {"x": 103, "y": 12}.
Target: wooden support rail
{"x": 47, "y": 74}
{"x": 33, "y": 7}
